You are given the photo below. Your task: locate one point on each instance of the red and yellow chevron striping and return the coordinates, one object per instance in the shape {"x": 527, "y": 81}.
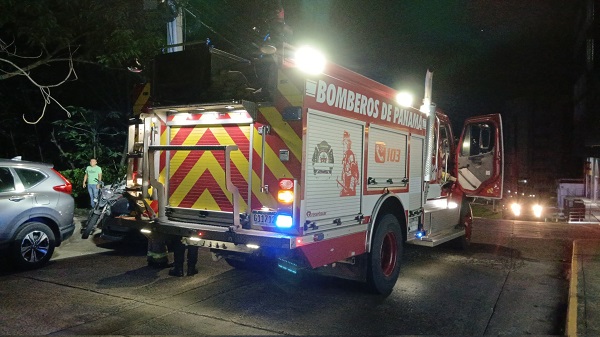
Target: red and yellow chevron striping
{"x": 197, "y": 178}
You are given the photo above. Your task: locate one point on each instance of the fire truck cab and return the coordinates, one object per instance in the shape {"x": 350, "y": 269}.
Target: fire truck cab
{"x": 262, "y": 159}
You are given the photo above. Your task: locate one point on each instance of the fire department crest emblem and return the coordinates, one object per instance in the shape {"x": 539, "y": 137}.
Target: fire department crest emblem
{"x": 322, "y": 159}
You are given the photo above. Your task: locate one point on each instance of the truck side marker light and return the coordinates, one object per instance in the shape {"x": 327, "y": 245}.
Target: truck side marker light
{"x": 287, "y": 269}
{"x": 287, "y": 266}
{"x": 145, "y": 231}
{"x": 283, "y": 221}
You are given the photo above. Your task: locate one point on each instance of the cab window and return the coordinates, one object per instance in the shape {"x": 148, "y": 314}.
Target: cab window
{"x": 478, "y": 140}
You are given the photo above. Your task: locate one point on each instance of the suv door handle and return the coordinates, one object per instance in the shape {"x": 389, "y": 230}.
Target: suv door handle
{"x": 16, "y": 198}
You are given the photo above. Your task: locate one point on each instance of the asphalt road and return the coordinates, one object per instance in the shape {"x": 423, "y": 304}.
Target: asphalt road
{"x": 513, "y": 280}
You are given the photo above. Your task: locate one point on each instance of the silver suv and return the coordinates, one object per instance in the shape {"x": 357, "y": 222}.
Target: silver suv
{"x": 36, "y": 211}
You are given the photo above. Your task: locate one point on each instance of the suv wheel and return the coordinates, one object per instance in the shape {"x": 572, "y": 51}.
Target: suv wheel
{"x": 33, "y": 246}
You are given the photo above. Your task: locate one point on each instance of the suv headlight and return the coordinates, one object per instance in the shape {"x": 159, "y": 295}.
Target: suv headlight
{"x": 515, "y": 208}
{"x": 537, "y": 210}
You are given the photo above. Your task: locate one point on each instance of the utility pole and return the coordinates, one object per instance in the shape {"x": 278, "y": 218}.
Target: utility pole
{"x": 175, "y": 30}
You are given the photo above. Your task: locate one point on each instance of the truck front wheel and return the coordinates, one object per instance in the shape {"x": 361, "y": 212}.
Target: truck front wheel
{"x": 385, "y": 256}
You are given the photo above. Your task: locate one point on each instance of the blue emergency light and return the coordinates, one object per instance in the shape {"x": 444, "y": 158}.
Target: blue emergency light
{"x": 283, "y": 221}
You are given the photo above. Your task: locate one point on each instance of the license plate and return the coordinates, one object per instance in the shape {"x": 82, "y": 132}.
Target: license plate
{"x": 263, "y": 219}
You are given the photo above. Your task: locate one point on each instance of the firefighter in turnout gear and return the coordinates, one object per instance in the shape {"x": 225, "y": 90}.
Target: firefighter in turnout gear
{"x": 179, "y": 256}
{"x": 158, "y": 253}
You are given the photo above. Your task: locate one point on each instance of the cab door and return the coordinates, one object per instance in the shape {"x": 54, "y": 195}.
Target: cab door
{"x": 480, "y": 157}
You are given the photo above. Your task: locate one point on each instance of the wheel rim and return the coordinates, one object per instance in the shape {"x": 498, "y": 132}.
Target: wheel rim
{"x": 35, "y": 246}
{"x": 389, "y": 253}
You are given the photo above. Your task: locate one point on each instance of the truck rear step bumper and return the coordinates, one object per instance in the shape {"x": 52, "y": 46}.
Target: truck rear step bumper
{"x": 433, "y": 240}
{"x": 222, "y": 237}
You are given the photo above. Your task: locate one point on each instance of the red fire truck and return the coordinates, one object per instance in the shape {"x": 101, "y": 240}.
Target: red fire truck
{"x": 310, "y": 168}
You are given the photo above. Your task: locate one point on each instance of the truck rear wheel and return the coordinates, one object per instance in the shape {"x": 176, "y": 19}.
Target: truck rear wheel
{"x": 385, "y": 256}
{"x": 250, "y": 263}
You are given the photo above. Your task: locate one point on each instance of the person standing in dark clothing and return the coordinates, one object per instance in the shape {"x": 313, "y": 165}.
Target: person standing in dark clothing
{"x": 179, "y": 257}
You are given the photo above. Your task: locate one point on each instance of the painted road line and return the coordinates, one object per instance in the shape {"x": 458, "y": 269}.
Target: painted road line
{"x": 571, "y": 328}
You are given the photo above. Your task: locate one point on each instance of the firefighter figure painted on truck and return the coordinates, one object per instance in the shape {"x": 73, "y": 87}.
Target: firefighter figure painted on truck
{"x": 349, "y": 179}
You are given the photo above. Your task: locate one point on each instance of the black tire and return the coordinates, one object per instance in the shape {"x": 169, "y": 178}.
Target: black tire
{"x": 90, "y": 225}
{"x": 251, "y": 263}
{"x": 33, "y": 245}
{"x": 235, "y": 263}
{"x": 384, "y": 259}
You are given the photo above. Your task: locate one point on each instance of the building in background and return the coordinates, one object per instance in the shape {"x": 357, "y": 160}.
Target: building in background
{"x": 586, "y": 94}
{"x": 537, "y": 144}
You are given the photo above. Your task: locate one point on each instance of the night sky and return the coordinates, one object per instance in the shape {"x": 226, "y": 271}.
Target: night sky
{"x": 482, "y": 53}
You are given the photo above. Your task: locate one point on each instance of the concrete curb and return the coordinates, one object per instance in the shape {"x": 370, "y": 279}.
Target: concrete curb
{"x": 583, "y": 310}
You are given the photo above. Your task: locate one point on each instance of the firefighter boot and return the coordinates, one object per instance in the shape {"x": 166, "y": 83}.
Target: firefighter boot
{"x": 160, "y": 264}
{"x": 157, "y": 255}
{"x": 192, "y": 259}
{"x": 176, "y": 271}
{"x": 178, "y": 256}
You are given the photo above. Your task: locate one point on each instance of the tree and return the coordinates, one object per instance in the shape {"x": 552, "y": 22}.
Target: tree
{"x": 52, "y": 36}
{"x": 88, "y": 134}
{"x": 76, "y": 53}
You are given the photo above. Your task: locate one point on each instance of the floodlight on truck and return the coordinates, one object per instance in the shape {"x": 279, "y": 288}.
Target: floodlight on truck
{"x": 405, "y": 99}
{"x": 310, "y": 60}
